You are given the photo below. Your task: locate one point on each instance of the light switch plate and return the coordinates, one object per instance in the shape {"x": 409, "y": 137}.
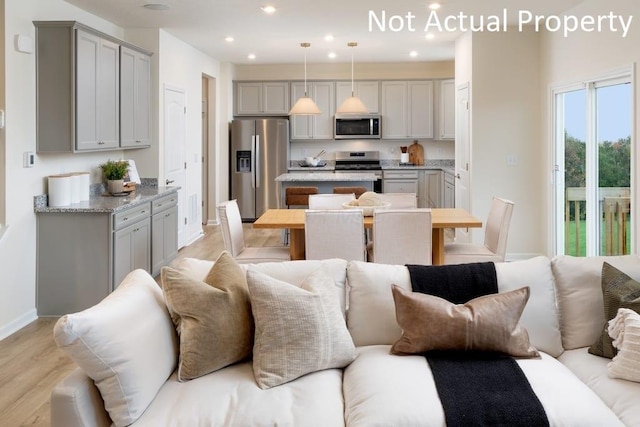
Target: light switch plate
{"x": 29, "y": 159}
{"x": 23, "y": 43}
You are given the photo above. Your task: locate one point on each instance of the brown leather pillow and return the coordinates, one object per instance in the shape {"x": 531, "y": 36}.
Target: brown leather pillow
{"x": 487, "y": 323}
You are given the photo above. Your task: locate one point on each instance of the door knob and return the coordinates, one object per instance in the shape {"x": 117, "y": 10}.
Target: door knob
{"x": 458, "y": 175}
{"x": 169, "y": 181}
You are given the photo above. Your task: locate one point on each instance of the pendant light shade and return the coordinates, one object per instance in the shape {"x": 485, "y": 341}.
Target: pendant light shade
{"x": 353, "y": 104}
{"x": 304, "y": 106}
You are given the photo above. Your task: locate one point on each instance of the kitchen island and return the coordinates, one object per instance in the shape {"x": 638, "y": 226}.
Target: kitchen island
{"x": 325, "y": 181}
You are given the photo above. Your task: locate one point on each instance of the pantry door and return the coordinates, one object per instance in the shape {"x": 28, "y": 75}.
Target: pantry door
{"x": 175, "y": 172}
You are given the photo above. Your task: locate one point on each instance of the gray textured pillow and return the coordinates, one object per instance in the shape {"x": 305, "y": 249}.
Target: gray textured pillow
{"x": 618, "y": 291}
{"x": 213, "y": 319}
{"x": 299, "y": 330}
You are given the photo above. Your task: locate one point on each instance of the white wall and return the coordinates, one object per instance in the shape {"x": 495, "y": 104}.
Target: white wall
{"x": 342, "y": 71}
{"x": 505, "y": 90}
{"x": 18, "y": 245}
{"x": 174, "y": 63}
{"x": 586, "y": 56}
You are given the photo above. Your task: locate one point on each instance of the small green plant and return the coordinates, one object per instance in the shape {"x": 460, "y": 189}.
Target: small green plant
{"x": 115, "y": 169}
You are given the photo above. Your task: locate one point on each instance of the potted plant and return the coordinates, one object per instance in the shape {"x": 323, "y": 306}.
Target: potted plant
{"x": 114, "y": 172}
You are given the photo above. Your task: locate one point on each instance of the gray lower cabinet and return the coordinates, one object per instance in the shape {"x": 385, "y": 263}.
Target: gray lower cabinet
{"x": 430, "y": 183}
{"x": 83, "y": 256}
{"x": 449, "y": 190}
{"x": 164, "y": 232}
{"x": 400, "y": 181}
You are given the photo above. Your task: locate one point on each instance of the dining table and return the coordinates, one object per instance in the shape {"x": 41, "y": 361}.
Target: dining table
{"x": 293, "y": 219}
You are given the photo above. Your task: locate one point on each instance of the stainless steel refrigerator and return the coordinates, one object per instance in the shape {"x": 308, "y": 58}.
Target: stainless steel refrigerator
{"x": 259, "y": 152}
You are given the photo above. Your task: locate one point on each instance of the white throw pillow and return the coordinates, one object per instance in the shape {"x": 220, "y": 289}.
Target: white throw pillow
{"x": 126, "y": 343}
{"x": 624, "y": 330}
{"x": 298, "y": 330}
{"x": 372, "y": 318}
{"x": 540, "y": 316}
{"x": 579, "y": 294}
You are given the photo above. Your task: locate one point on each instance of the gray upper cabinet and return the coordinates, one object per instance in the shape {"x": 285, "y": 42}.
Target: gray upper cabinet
{"x": 367, "y": 91}
{"x": 97, "y": 98}
{"x": 135, "y": 98}
{"x": 314, "y": 127}
{"x": 78, "y": 89}
{"x": 407, "y": 109}
{"x": 262, "y": 98}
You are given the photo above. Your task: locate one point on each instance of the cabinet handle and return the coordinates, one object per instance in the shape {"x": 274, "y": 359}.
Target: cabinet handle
{"x": 169, "y": 181}
{"x": 143, "y": 212}
{"x": 458, "y": 175}
{"x": 125, "y": 219}
{"x": 159, "y": 205}
{"x": 100, "y": 142}
{"x": 138, "y": 141}
{"x": 167, "y": 215}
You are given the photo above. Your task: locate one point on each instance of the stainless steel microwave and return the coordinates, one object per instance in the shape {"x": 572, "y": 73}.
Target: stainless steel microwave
{"x": 357, "y": 126}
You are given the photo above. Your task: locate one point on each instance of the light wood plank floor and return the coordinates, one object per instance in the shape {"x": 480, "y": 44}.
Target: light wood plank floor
{"x": 31, "y": 364}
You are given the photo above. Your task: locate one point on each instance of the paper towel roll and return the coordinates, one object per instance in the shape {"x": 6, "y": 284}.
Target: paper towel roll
{"x": 85, "y": 185}
{"x": 59, "y": 190}
{"x": 75, "y": 188}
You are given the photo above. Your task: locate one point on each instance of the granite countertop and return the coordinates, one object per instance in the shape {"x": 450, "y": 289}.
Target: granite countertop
{"x": 106, "y": 204}
{"x": 326, "y": 176}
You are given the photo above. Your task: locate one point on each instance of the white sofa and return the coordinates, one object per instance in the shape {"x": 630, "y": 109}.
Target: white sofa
{"x": 563, "y": 316}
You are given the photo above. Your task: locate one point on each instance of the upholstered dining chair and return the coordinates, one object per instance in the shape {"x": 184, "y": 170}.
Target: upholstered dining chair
{"x": 334, "y": 234}
{"x": 329, "y": 201}
{"x": 357, "y": 191}
{"x": 495, "y": 238}
{"x": 298, "y": 196}
{"x": 400, "y": 200}
{"x": 233, "y": 236}
{"x": 401, "y": 236}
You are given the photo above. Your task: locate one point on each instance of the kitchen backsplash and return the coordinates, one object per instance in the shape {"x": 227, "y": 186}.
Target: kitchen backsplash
{"x": 433, "y": 150}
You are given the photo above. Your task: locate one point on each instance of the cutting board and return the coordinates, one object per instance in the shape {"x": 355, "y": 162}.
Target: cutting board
{"x": 416, "y": 154}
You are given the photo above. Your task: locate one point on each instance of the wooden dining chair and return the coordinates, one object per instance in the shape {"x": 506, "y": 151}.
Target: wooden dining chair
{"x": 329, "y": 201}
{"x": 401, "y": 236}
{"x": 357, "y": 191}
{"x": 233, "y": 237}
{"x": 495, "y": 238}
{"x": 334, "y": 234}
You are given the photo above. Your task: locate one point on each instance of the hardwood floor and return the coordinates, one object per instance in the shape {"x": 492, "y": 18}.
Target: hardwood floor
{"x": 31, "y": 364}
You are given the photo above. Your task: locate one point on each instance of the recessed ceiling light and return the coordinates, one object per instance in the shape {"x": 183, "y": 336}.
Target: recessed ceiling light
{"x": 251, "y": 56}
{"x": 328, "y": 38}
{"x": 156, "y": 6}
{"x": 434, "y": 6}
{"x": 332, "y": 55}
{"x": 229, "y": 39}
{"x": 268, "y": 9}
{"x": 413, "y": 54}
{"x": 430, "y": 36}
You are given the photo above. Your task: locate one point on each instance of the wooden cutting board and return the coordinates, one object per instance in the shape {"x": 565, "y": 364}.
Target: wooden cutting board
{"x": 416, "y": 154}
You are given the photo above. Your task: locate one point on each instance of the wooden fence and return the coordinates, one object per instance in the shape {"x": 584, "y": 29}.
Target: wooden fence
{"x": 614, "y": 210}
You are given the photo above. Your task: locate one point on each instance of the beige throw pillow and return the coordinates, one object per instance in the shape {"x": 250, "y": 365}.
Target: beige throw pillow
{"x": 299, "y": 330}
{"x": 213, "y": 318}
{"x": 618, "y": 291}
{"x": 624, "y": 330}
{"x": 487, "y": 323}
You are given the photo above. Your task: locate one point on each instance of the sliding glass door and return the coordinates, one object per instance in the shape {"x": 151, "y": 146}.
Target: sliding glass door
{"x": 593, "y": 167}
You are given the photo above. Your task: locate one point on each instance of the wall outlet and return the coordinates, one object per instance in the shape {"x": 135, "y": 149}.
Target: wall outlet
{"x": 512, "y": 160}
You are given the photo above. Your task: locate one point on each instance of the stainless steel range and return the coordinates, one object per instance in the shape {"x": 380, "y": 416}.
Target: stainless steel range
{"x": 361, "y": 162}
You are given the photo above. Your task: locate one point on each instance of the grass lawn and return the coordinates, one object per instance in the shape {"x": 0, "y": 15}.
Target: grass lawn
{"x": 570, "y": 248}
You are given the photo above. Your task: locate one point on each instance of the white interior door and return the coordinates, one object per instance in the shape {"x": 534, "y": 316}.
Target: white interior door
{"x": 174, "y": 152}
{"x": 463, "y": 156}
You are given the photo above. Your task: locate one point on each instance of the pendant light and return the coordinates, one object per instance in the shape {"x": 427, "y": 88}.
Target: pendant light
{"x": 352, "y": 105}
{"x": 304, "y": 106}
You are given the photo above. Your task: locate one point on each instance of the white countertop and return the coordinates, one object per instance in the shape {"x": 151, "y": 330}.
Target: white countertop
{"x": 326, "y": 176}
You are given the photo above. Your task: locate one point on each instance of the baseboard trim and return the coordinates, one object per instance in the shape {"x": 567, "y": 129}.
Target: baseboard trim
{"x": 194, "y": 237}
{"x": 16, "y": 324}
{"x": 213, "y": 222}
{"x": 520, "y": 256}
